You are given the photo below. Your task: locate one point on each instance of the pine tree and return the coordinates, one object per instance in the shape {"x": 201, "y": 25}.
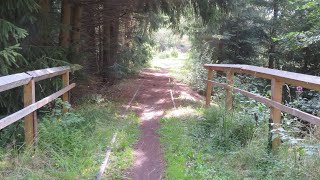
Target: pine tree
{"x": 13, "y": 14}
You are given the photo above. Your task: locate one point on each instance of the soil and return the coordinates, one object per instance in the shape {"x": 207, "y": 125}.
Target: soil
{"x": 153, "y": 99}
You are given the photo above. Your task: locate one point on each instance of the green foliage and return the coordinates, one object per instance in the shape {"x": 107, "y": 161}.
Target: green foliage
{"x": 73, "y": 145}
{"x": 309, "y": 34}
{"x": 9, "y": 58}
{"x": 165, "y": 39}
{"x": 164, "y": 55}
{"x": 244, "y": 35}
{"x": 21, "y": 50}
{"x": 13, "y": 16}
{"x": 209, "y": 144}
{"x": 195, "y": 71}
{"x": 10, "y": 30}
{"x": 133, "y": 57}
{"x": 174, "y": 53}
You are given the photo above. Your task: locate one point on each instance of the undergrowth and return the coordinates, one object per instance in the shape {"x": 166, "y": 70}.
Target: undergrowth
{"x": 73, "y": 145}
{"x": 214, "y": 144}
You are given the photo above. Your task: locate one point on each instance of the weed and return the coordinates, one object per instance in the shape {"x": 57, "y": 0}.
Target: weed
{"x": 73, "y": 145}
{"x": 212, "y": 144}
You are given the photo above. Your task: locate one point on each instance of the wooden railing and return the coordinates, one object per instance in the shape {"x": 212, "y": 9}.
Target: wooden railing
{"x": 29, "y": 114}
{"x": 278, "y": 79}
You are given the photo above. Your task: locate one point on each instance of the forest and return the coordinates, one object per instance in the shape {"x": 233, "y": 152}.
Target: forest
{"x": 145, "y": 49}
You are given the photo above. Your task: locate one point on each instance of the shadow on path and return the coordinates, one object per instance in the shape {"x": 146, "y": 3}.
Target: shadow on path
{"x": 153, "y": 100}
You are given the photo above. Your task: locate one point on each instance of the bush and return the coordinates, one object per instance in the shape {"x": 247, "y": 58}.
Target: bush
{"x": 174, "y": 53}
{"x": 164, "y": 55}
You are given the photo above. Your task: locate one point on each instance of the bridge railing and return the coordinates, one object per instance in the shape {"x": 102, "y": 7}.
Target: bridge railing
{"x": 278, "y": 79}
{"x": 28, "y": 80}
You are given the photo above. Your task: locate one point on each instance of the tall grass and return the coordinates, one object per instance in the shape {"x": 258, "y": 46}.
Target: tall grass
{"x": 213, "y": 144}
{"x": 72, "y": 145}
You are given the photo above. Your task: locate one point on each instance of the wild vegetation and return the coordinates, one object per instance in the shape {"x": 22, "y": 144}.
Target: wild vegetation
{"x": 214, "y": 144}
{"x": 73, "y": 145}
{"x": 113, "y": 39}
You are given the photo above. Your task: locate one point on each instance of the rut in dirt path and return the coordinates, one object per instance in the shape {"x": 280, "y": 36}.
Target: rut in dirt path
{"x": 151, "y": 103}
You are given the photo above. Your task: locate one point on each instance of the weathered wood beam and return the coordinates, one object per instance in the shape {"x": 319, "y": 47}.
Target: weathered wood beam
{"x": 65, "y": 83}
{"x": 42, "y": 74}
{"x": 33, "y": 107}
{"x": 270, "y": 103}
{"x": 13, "y": 81}
{"x": 275, "y": 113}
{"x": 209, "y": 88}
{"x": 229, "y": 100}
{"x": 29, "y": 97}
{"x": 296, "y": 79}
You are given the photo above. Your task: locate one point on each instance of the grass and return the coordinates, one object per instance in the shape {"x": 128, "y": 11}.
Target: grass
{"x": 73, "y": 145}
{"x": 210, "y": 144}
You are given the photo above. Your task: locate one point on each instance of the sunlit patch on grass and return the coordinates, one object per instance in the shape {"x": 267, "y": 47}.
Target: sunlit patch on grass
{"x": 181, "y": 112}
{"x": 186, "y": 96}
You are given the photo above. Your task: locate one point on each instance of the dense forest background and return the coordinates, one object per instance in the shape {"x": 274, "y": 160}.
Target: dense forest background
{"x": 112, "y": 38}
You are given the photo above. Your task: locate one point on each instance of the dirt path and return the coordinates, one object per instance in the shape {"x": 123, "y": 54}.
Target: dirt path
{"x": 153, "y": 100}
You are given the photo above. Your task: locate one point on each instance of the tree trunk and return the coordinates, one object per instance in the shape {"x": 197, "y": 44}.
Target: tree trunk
{"x": 114, "y": 33}
{"x": 273, "y": 33}
{"x": 106, "y": 44}
{"x": 40, "y": 31}
{"x": 307, "y": 58}
{"x": 44, "y": 7}
{"x": 77, "y": 11}
{"x": 65, "y": 21}
{"x": 110, "y": 34}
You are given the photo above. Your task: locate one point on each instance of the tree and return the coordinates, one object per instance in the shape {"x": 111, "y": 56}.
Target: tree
{"x": 66, "y": 23}
{"x": 12, "y": 16}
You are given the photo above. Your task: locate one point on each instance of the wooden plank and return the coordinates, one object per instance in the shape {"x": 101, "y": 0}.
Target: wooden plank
{"x": 209, "y": 88}
{"x": 65, "y": 83}
{"x": 295, "y": 112}
{"x": 28, "y": 99}
{"x": 296, "y": 79}
{"x": 31, "y": 108}
{"x": 230, "y": 76}
{"x": 275, "y": 113}
{"x": 13, "y": 81}
{"x": 42, "y": 74}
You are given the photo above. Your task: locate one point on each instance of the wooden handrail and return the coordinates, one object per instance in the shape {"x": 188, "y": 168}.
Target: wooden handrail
{"x": 296, "y": 79}
{"x": 29, "y": 114}
{"x": 13, "y": 81}
{"x": 42, "y": 74}
{"x": 278, "y": 79}
{"x": 295, "y": 112}
{"x": 33, "y": 107}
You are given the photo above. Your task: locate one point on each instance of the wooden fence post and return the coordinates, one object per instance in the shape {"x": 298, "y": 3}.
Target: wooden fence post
{"x": 30, "y": 121}
{"x": 276, "y": 95}
{"x": 65, "y": 83}
{"x": 209, "y": 88}
{"x": 230, "y": 76}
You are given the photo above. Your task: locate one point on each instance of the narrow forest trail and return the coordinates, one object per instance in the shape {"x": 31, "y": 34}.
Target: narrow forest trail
{"x": 155, "y": 97}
